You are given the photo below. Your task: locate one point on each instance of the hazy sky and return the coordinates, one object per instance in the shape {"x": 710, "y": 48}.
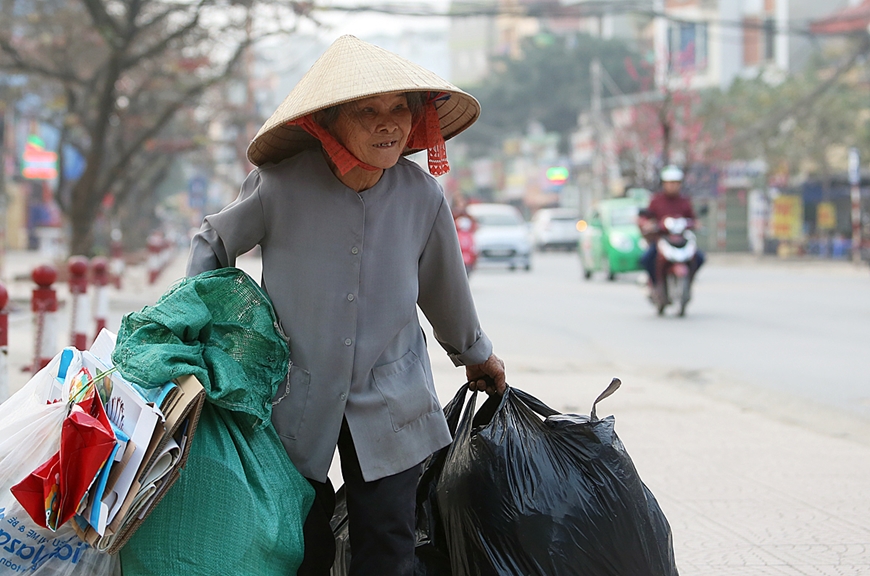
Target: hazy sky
{"x": 367, "y": 24}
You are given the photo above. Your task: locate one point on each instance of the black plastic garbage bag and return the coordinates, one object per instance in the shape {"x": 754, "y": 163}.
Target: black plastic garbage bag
{"x": 525, "y": 490}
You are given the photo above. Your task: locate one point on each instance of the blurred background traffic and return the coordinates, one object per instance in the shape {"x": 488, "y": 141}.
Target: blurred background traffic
{"x": 122, "y": 119}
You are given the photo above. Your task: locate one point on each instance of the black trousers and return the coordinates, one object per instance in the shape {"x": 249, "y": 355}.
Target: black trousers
{"x": 381, "y": 516}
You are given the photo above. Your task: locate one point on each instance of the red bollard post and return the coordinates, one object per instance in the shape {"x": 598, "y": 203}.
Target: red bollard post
{"x": 4, "y": 344}
{"x": 78, "y": 288}
{"x": 44, "y": 307}
{"x": 155, "y": 246}
{"x": 100, "y": 271}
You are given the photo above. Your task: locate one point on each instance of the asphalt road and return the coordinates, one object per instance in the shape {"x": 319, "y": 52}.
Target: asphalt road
{"x": 771, "y": 335}
{"x": 793, "y": 335}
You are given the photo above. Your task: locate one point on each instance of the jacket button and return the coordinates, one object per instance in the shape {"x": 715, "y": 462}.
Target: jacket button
{"x": 348, "y": 341}
{"x": 343, "y": 396}
{"x": 354, "y": 250}
{"x": 350, "y": 297}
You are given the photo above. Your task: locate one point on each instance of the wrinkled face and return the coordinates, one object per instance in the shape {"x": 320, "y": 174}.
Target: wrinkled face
{"x": 672, "y": 188}
{"x": 375, "y": 129}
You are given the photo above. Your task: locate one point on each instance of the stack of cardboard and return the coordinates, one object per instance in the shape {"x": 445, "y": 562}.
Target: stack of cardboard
{"x": 154, "y": 428}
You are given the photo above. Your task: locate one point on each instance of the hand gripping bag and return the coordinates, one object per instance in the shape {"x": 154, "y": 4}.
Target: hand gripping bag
{"x": 525, "y": 490}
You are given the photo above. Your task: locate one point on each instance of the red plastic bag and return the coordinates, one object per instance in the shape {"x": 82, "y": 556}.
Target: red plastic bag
{"x": 52, "y": 493}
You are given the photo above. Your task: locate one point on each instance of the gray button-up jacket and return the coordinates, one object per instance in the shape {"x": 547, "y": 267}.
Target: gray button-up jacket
{"x": 346, "y": 272}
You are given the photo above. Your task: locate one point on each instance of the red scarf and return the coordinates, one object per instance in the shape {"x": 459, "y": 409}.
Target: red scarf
{"x": 425, "y": 134}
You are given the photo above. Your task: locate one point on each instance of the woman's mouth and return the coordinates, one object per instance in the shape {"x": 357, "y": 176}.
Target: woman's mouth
{"x": 389, "y": 144}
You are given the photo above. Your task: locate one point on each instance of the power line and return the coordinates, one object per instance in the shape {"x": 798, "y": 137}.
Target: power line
{"x": 592, "y": 9}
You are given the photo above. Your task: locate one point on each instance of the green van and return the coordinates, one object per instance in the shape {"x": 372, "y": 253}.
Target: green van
{"x": 610, "y": 240}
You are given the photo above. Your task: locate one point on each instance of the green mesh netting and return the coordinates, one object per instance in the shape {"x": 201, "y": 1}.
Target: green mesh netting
{"x": 239, "y": 505}
{"x": 219, "y": 326}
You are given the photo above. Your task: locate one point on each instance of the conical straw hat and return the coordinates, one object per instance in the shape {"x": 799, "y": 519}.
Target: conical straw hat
{"x": 349, "y": 70}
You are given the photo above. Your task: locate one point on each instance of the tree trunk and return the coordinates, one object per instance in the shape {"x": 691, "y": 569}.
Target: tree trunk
{"x": 666, "y": 123}
{"x": 86, "y": 196}
{"x": 83, "y": 211}
{"x": 666, "y": 144}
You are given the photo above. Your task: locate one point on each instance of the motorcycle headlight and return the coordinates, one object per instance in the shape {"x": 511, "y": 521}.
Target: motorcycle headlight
{"x": 621, "y": 242}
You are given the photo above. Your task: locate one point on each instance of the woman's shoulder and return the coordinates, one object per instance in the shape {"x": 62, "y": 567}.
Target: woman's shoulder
{"x": 303, "y": 172}
{"x": 412, "y": 173}
{"x": 301, "y": 162}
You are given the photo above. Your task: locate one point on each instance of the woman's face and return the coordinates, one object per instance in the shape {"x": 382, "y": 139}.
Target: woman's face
{"x": 375, "y": 129}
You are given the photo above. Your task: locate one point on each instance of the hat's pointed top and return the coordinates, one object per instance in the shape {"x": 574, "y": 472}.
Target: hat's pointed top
{"x": 349, "y": 70}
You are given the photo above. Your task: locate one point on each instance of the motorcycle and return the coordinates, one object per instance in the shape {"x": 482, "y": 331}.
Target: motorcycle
{"x": 675, "y": 250}
{"x": 465, "y": 227}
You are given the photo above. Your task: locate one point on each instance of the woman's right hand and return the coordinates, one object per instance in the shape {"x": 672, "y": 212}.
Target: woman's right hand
{"x": 494, "y": 368}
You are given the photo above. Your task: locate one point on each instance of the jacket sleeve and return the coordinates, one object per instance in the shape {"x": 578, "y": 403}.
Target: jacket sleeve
{"x": 231, "y": 232}
{"x": 445, "y": 297}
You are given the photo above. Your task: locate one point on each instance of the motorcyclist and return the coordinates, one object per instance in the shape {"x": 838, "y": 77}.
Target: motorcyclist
{"x": 667, "y": 202}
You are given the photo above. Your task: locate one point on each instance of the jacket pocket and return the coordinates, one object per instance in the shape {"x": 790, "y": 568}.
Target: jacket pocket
{"x": 289, "y": 412}
{"x": 404, "y": 386}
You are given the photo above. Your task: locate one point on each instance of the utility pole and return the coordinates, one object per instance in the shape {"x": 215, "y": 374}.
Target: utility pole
{"x": 855, "y": 182}
{"x": 597, "y": 172}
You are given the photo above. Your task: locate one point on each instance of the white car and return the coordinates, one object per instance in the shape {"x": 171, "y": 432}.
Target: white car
{"x": 502, "y": 235}
{"x": 556, "y": 228}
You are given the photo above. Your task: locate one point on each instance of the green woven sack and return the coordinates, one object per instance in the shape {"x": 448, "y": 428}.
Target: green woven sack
{"x": 239, "y": 505}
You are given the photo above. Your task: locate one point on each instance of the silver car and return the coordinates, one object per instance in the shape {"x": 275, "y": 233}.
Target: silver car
{"x": 502, "y": 236}
{"x": 556, "y": 228}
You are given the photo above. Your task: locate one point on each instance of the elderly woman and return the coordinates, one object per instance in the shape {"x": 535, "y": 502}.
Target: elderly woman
{"x": 353, "y": 238}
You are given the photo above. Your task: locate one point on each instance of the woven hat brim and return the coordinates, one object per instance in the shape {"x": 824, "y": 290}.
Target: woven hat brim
{"x": 352, "y": 70}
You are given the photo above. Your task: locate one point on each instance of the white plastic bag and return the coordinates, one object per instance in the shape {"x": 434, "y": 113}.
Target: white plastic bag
{"x": 29, "y": 435}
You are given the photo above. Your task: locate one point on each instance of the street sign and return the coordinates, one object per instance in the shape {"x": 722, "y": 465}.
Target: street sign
{"x": 38, "y": 163}
{"x": 826, "y": 216}
{"x": 557, "y": 175}
{"x": 854, "y": 167}
{"x": 787, "y": 217}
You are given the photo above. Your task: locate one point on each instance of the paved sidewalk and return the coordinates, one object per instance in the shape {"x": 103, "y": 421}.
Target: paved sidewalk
{"x": 753, "y": 488}
{"x": 745, "y": 493}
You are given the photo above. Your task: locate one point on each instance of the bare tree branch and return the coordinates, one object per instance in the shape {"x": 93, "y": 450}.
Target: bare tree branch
{"x": 156, "y": 21}
{"x": 782, "y": 115}
{"x": 20, "y": 64}
{"x": 104, "y": 23}
{"x": 165, "y": 116}
{"x": 162, "y": 45}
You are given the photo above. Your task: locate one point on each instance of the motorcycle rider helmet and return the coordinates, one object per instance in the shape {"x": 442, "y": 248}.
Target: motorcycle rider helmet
{"x": 671, "y": 173}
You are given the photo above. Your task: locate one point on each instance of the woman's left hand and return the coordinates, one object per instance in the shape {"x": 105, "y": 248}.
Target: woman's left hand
{"x": 494, "y": 368}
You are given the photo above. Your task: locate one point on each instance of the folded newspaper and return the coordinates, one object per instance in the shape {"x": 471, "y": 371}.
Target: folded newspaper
{"x": 154, "y": 429}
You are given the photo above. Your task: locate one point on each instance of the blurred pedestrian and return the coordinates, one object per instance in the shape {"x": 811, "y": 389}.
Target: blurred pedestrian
{"x": 353, "y": 238}
{"x": 466, "y": 226}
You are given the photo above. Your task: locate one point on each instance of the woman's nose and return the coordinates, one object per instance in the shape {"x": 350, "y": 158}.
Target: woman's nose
{"x": 386, "y": 123}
